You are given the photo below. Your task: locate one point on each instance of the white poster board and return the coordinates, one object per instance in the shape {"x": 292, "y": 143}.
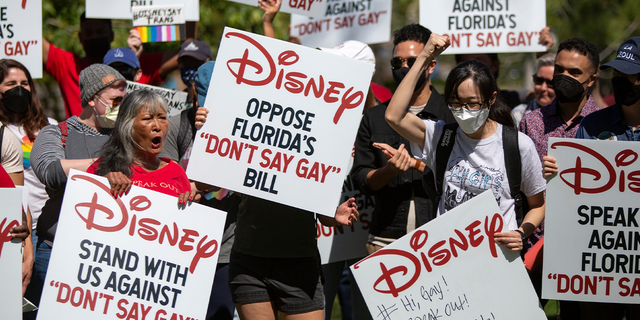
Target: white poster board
{"x": 176, "y": 100}
{"x": 309, "y": 8}
{"x": 592, "y": 237}
{"x": 365, "y": 21}
{"x": 282, "y": 123}
{"x": 340, "y": 243}
{"x": 21, "y": 34}
{"x": 450, "y": 268}
{"x": 486, "y": 26}
{"x": 121, "y": 9}
{"x": 10, "y": 254}
{"x": 135, "y": 256}
{"x": 157, "y": 15}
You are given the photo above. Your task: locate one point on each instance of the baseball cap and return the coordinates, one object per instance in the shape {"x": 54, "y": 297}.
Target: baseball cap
{"x": 354, "y": 50}
{"x": 202, "y": 81}
{"x": 196, "y": 49}
{"x": 628, "y": 59}
{"x": 124, "y": 55}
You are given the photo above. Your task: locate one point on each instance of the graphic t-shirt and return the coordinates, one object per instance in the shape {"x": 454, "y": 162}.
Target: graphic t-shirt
{"x": 477, "y": 165}
{"x": 170, "y": 179}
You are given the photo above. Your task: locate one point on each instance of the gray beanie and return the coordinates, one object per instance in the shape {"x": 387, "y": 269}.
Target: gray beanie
{"x": 95, "y": 78}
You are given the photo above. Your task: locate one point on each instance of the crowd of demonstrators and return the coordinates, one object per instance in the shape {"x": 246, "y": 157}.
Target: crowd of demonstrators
{"x": 620, "y": 122}
{"x": 543, "y": 92}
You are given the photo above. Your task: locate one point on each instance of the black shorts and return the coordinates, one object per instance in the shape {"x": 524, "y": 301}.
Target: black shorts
{"x": 293, "y": 285}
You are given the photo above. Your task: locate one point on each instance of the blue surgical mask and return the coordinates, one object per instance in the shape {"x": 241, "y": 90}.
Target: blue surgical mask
{"x": 189, "y": 74}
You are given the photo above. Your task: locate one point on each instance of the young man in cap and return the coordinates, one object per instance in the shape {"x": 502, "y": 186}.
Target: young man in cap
{"x": 192, "y": 55}
{"x": 125, "y": 62}
{"x": 620, "y": 122}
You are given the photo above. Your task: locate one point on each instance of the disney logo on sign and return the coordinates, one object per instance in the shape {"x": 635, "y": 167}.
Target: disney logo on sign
{"x": 585, "y": 179}
{"x": 100, "y": 217}
{"x": 258, "y": 68}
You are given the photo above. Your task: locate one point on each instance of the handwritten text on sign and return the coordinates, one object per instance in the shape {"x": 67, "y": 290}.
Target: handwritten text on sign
{"x": 444, "y": 270}
{"x": 592, "y": 231}
{"x": 131, "y": 257}
{"x": 365, "y": 20}
{"x": 309, "y": 8}
{"x": 21, "y": 34}
{"x": 486, "y": 26}
{"x": 284, "y": 122}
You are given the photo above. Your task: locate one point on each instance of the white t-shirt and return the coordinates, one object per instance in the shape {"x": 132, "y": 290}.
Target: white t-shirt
{"x": 476, "y": 165}
{"x": 10, "y": 155}
{"x": 37, "y": 194}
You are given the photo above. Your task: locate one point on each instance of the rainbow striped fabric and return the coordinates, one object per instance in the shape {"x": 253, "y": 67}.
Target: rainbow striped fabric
{"x": 162, "y": 33}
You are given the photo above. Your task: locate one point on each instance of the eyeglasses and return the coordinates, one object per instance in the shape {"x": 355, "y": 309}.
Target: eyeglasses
{"x": 115, "y": 101}
{"x": 473, "y": 106}
{"x": 539, "y": 81}
{"x": 396, "y": 62}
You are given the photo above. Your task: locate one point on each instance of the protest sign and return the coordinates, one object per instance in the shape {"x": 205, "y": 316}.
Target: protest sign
{"x": 159, "y": 23}
{"x": 309, "y": 8}
{"x": 364, "y": 20}
{"x": 122, "y": 9}
{"x": 282, "y": 121}
{"x": 591, "y": 229}
{"x": 486, "y": 26}
{"x": 10, "y": 254}
{"x": 137, "y": 256}
{"x": 340, "y": 243}
{"x": 21, "y": 34}
{"x": 176, "y": 100}
{"x": 450, "y": 268}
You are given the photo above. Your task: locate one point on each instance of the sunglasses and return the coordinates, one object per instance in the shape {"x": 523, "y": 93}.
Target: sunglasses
{"x": 396, "y": 62}
{"x": 539, "y": 81}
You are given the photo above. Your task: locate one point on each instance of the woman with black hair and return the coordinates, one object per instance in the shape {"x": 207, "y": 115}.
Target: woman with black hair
{"x": 476, "y": 162}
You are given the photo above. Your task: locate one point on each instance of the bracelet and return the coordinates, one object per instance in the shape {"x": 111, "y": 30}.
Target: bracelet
{"x": 417, "y": 166}
{"x": 521, "y": 234}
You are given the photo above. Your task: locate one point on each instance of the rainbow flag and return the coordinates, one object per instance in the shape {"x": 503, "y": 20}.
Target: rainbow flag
{"x": 174, "y": 32}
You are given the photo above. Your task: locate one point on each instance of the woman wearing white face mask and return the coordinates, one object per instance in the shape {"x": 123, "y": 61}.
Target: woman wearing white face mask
{"x": 476, "y": 162}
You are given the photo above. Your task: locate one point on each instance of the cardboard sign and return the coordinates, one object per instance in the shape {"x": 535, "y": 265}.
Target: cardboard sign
{"x": 138, "y": 256}
{"x": 340, "y": 243}
{"x": 122, "y": 9}
{"x": 159, "y": 23}
{"x": 486, "y": 26}
{"x": 10, "y": 254}
{"x": 21, "y": 34}
{"x": 309, "y": 8}
{"x": 282, "y": 121}
{"x": 176, "y": 100}
{"x": 450, "y": 268}
{"x": 592, "y": 237}
{"x": 365, "y": 21}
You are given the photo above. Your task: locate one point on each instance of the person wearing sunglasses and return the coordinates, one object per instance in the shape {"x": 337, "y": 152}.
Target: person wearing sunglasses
{"x": 124, "y": 60}
{"x": 401, "y": 203}
{"x": 542, "y": 88}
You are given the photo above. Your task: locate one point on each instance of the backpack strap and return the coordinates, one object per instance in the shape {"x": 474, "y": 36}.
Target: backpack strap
{"x": 513, "y": 164}
{"x": 1, "y": 139}
{"x": 64, "y": 132}
{"x": 443, "y": 151}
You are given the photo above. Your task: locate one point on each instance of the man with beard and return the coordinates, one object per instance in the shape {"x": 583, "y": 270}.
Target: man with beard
{"x": 401, "y": 201}
{"x": 96, "y": 36}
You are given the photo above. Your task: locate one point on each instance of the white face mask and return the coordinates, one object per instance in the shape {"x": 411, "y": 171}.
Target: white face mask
{"x": 470, "y": 120}
{"x": 108, "y": 119}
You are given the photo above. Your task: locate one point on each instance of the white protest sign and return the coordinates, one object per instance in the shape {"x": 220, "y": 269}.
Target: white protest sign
{"x": 138, "y": 256}
{"x": 10, "y": 254}
{"x": 176, "y": 100}
{"x": 122, "y": 9}
{"x": 309, "y": 8}
{"x": 486, "y": 26}
{"x": 450, "y": 268}
{"x": 157, "y": 15}
{"x": 591, "y": 231}
{"x": 21, "y": 34}
{"x": 282, "y": 121}
{"x": 340, "y": 243}
{"x": 366, "y": 21}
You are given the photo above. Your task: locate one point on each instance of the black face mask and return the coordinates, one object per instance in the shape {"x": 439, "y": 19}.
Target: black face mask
{"x": 567, "y": 88}
{"x": 97, "y": 47}
{"x": 625, "y": 92}
{"x": 399, "y": 74}
{"x": 17, "y": 99}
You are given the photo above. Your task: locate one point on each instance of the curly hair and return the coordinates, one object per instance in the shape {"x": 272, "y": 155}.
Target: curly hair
{"x": 584, "y": 48}
{"x": 411, "y": 32}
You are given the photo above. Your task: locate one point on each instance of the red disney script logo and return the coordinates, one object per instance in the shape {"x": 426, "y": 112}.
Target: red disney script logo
{"x": 100, "y": 217}
{"x": 607, "y": 178}
{"x": 5, "y": 235}
{"x": 291, "y": 81}
{"x": 438, "y": 254}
